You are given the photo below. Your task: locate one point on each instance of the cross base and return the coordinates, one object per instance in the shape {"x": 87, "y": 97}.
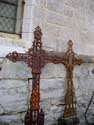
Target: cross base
{"x": 69, "y": 112}
{"x": 69, "y": 121}
{"x": 39, "y": 120}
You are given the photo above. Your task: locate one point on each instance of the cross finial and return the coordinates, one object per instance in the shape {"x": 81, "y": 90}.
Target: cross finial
{"x": 37, "y": 38}
{"x": 70, "y": 44}
{"x": 37, "y": 33}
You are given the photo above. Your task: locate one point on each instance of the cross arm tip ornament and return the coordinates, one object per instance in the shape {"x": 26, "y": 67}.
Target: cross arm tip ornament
{"x": 70, "y": 43}
{"x": 77, "y": 60}
{"x": 37, "y": 33}
{"x": 13, "y": 56}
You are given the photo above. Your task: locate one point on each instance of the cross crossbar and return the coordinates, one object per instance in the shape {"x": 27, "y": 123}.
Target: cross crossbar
{"x": 36, "y": 58}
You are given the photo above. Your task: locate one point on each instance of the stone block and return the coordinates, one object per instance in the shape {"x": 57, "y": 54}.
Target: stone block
{"x": 75, "y": 4}
{"x": 77, "y": 71}
{"x": 12, "y": 119}
{"x": 28, "y": 38}
{"x": 9, "y": 47}
{"x": 84, "y": 70}
{"x": 50, "y": 43}
{"x": 27, "y": 11}
{"x": 51, "y": 30}
{"x": 47, "y": 84}
{"x": 38, "y": 17}
{"x": 58, "y": 72}
{"x": 87, "y": 84}
{"x": 68, "y": 11}
{"x": 57, "y": 19}
{"x": 60, "y": 7}
{"x": 87, "y": 35}
{"x": 52, "y": 88}
{"x": 18, "y": 70}
{"x": 41, "y": 3}
{"x": 55, "y": 5}
{"x": 67, "y": 33}
{"x": 14, "y": 96}
{"x": 90, "y": 9}
{"x": 26, "y": 28}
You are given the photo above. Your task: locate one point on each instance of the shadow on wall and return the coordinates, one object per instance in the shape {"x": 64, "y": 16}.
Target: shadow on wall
{"x": 4, "y": 123}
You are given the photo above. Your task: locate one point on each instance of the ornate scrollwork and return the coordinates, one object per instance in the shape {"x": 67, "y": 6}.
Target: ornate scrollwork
{"x": 36, "y": 58}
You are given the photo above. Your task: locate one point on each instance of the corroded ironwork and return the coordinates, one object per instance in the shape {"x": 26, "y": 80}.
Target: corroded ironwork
{"x": 36, "y": 58}
{"x": 70, "y": 114}
{"x": 69, "y": 62}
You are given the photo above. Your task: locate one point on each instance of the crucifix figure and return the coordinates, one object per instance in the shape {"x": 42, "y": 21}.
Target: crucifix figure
{"x": 36, "y": 58}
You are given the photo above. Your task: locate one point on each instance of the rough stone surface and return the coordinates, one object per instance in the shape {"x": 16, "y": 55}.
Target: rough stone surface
{"x": 14, "y": 94}
{"x": 19, "y": 70}
{"x": 60, "y": 21}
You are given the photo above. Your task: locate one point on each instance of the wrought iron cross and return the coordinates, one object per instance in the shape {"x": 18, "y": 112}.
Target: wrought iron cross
{"x": 70, "y": 61}
{"x": 36, "y": 58}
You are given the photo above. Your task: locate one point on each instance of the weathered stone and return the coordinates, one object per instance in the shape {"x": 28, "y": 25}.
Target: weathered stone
{"x": 90, "y": 9}
{"x": 68, "y": 11}
{"x": 41, "y": 3}
{"x": 58, "y": 72}
{"x": 75, "y": 4}
{"x": 9, "y": 48}
{"x": 14, "y": 97}
{"x": 77, "y": 71}
{"x": 27, "y": 12}
{"x": 18, "y": 70}
{"x": 48, "y": 90}
{"x": 87, "y": 36}
{"x": 51, "y": 30}
{"x": 12, "y": 119}
{"x": 55, "y": 5}
{"x": 38, "y": 17}
{"x": 68, "y": 34}
{"x": 52, "y": 37}
{"x": 61, "y": 20}
{"x": 59, "y": 6}
{"x": 49, "y": 43}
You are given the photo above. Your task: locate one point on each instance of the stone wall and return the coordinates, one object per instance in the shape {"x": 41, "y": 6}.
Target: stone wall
{"x": 60, "y": 21}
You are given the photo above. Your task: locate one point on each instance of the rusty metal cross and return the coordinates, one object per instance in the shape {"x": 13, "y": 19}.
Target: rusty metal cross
{"x": 70, "y": 61}
{"x": 36, "y": 58}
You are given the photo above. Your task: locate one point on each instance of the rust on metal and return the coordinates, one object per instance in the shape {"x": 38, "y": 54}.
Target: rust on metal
{"x": 36, "y": 58}
{"x": 70, "y": 61}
